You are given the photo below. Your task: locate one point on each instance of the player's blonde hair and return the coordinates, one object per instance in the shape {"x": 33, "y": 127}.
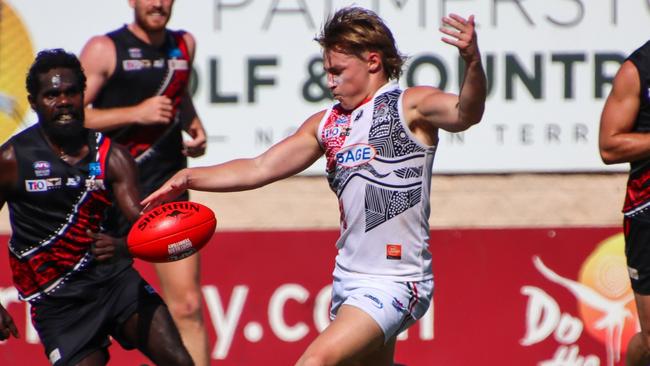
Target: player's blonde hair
{"x": 354, "y": 30}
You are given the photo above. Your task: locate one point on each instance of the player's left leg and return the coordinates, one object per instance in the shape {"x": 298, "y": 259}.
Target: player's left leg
{"x": 351, "y": 337}
{"x": 181, "y": 287}
{"x": 152, "y": 331}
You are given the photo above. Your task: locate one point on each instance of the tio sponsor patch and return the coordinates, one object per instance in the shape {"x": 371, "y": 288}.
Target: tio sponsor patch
{"x": 134, "y": 65}
{"x": 42, "y": 185}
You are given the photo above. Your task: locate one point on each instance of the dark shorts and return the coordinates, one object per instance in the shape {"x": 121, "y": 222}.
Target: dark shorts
{"x": 637, "y": 252}
{"x": 73, "y": 325}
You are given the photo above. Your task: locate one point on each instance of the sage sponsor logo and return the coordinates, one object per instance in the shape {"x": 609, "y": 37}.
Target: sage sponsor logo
{"x": 354, "y": 155}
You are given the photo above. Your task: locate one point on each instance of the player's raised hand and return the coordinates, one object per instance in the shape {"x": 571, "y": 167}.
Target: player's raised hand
{"x": 462, "y": 35}
{"x": 7, "y": 326}
{"x": 170, "y": 190}
{"x": 155, "y": 110}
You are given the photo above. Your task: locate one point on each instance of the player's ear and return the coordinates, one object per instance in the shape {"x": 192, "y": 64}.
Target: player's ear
{"x": 373, "y": 59}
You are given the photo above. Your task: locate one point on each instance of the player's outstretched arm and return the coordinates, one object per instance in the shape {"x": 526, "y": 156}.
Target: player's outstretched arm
{"x": 445, "y": 110}
{"x": 617, "y": 142}
{"x": 284, "y": 159}
{"x": 98, "y": 58}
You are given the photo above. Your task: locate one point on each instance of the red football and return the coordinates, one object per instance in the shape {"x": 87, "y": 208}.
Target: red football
{"x": 171, "y": 231}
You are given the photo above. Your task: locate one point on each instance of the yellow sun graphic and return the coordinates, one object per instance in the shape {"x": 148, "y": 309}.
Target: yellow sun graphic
{"x": 16, "y": 55}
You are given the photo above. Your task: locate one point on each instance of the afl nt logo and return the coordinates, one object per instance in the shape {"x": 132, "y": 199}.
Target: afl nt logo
{"x": 16, "y": 55}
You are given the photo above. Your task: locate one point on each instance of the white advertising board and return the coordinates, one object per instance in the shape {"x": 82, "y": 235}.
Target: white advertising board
{"x": 550, "y": 65}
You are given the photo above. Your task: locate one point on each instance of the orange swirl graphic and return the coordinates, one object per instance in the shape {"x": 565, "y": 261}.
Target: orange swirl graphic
{"x": 605, "y": 272}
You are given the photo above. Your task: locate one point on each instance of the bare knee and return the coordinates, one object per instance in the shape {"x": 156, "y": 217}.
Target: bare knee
{"x": 187, "y": 307}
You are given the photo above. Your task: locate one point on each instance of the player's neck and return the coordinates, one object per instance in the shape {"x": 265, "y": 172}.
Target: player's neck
{"x": 154, "y": 38}
{"x": 373, "y": 86}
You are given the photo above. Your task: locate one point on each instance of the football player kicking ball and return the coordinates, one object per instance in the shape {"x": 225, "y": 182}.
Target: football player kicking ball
{"x": 380, "y": 171}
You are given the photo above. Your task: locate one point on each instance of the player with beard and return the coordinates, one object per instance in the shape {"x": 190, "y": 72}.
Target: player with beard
{"x": 58, "y": 178}
{"x": 138, "y": 86}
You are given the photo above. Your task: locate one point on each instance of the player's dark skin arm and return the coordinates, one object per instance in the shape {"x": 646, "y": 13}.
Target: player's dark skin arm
{"x": 121, "y": 170}
{"x": 8, "y": 178}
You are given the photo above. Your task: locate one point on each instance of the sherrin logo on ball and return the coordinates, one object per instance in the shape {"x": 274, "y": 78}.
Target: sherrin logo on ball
{"x": 171, "y": 231}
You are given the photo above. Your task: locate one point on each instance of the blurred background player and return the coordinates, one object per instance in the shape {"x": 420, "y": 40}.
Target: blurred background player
{"x": 138, "y": 86}
{"x": 379, "y": 142}
{"x": 58, "y": 178}
{"x": 624, "y": 137}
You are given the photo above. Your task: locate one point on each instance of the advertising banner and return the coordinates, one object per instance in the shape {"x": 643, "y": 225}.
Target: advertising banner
{"x": 258, "y": 73}
{"x": 547, "y": 297}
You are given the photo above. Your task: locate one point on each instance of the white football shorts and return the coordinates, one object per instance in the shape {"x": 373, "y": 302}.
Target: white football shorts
{"x": 395, "y": 306}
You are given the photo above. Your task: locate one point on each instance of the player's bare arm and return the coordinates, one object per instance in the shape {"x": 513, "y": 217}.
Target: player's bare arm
{"x": 284, "y": 159}
{"x": 617, "y": 142}
{"x": 122, "y": 172}
{"x": 98, "y": 58}
{"x": 448, "y": 111}
{"x": 191, "y": 122}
